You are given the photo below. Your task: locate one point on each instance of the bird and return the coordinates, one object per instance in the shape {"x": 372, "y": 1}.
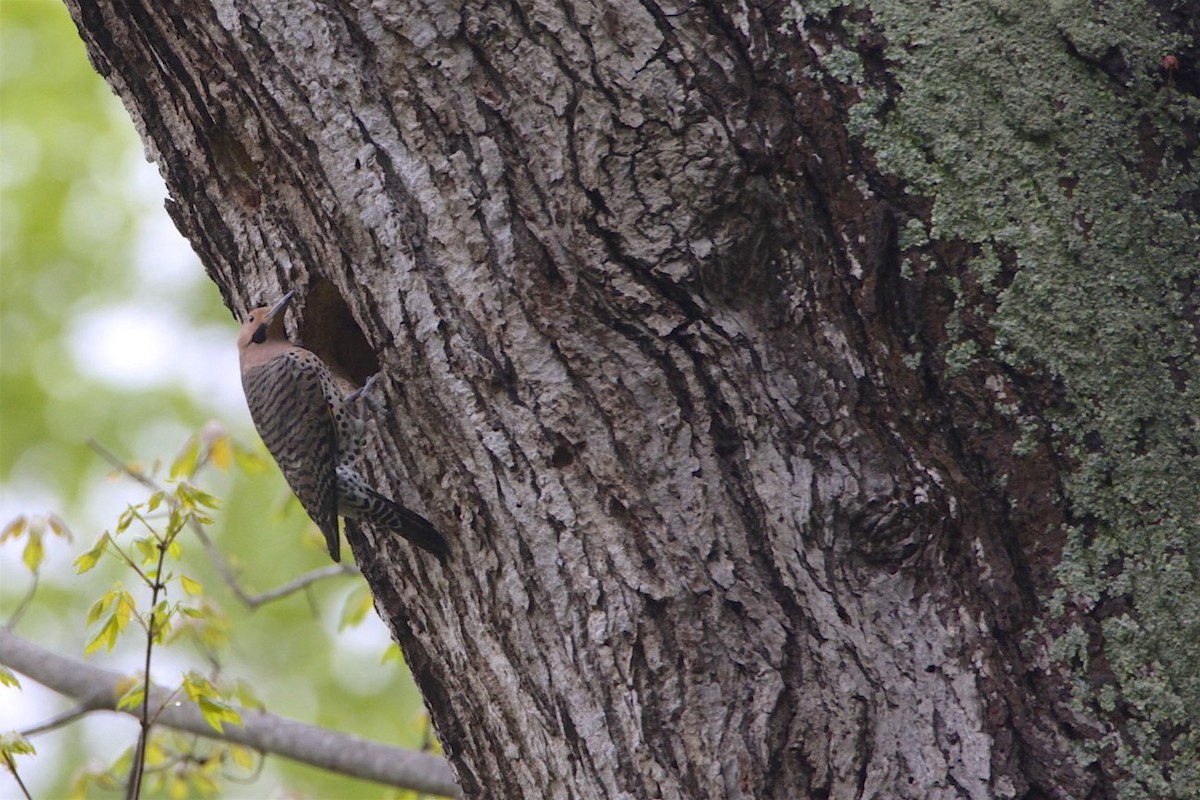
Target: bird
{"x": 316, "y": 434}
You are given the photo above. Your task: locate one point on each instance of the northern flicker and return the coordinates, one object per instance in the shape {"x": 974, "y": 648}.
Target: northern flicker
{"x": 315, "y": 433}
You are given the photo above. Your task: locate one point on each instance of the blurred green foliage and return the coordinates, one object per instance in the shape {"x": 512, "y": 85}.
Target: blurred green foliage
{"x": 61, "y": 148}
{"x": 73, "y": 232}
{"x": 69, "y": 212}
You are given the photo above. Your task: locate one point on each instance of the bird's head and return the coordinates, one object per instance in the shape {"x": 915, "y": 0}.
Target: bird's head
{"x": 264, "y": 325}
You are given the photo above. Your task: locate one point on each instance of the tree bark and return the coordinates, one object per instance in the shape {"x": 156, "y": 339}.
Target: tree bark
{"x": 809, "y": 394}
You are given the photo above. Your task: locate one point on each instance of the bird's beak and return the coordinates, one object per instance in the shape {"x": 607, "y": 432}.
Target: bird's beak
{"x": 280, "y": 306}
{"x": 260, "y": 333}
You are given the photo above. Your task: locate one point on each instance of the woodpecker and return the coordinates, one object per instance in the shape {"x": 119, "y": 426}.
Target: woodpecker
{"x": 316, "y": 434}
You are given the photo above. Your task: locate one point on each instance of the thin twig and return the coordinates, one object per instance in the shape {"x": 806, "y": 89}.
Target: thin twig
{"x": 138, "y": 767}
{"x": 12, "y": 767}
{"x": 57, "y": 721}
{"x": 252, "y": 601}
{"x": 121, "y": 466}
{"x": 134, "y": 789}
{"x": 129, "y": 562}
{"x": 301, "y": 582}
{"x": 26, "y": 601}
{"x": 165, "y": 702}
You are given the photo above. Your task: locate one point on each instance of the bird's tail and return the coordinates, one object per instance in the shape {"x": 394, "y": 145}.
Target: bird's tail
{"x": 409, "y": 524}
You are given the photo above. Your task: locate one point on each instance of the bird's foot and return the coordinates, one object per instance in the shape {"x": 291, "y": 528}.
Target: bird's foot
{"x": 364, "y": 393}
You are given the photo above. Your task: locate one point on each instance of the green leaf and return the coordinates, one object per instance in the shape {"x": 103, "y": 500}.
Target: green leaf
{"x": 247, "y": 696}
{"x": 148, "y": 548}
{"x": 249, "y": 462}
{"x": 242, "y": 756}
{"x": 196, "y": 686}
{"x": 179, "y": 517}
{"x": 100, "y": 606}
{"x": 203, "y": 785}
{"x": 221, "y": 453}
{"x": 58, "y": 527}
{"x": 7, "y": 678}
{"x": 35, "y": 552}
{"x": 185, "y": 462}
{"x": 156, "y": 755}
{"x": 355, "y": 609}
{"x": 14, "y": 744}
{"x": 92, "y": 557}
{"x": 217, "y": 712}
{"x": 191, "y": 587}
{"x": 160, "y": 621}
{"x": 134, "y": 697}
{"x": 15, "y": 528}
{"x": 126, "y": 608}
{"x": 120, "y": 766}
{"x": 127, "y": 684}
{"x": 201, "y": 497}
{"x": 107, "y": 637}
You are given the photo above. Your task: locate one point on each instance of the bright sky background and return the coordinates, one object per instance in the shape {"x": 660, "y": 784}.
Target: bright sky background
{"x": 142, "y": 343}
{"x": 145, "y": 343}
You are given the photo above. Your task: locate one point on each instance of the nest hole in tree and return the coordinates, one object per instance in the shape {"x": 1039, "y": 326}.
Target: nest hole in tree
{"x": 330, "y": 331}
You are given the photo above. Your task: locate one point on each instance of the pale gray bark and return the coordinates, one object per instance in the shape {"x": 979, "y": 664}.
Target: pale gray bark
{"x": 636, "y": 298}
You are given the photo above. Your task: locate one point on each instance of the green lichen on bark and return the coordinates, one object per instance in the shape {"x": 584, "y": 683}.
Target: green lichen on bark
{"x": 1050, "y": 131}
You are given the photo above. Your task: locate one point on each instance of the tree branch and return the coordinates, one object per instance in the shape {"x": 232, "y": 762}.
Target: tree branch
{"x": 96, "y": 689}
{"x": 58, "y": 720}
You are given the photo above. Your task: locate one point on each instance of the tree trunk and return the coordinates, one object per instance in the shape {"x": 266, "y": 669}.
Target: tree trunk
{"x": 810, "y": 395}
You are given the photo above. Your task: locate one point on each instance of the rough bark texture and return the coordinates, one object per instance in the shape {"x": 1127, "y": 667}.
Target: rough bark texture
{"x": 809, "y": 394}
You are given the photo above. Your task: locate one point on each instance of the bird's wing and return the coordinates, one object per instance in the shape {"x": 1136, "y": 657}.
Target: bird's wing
{"x": 289, "y": 409}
